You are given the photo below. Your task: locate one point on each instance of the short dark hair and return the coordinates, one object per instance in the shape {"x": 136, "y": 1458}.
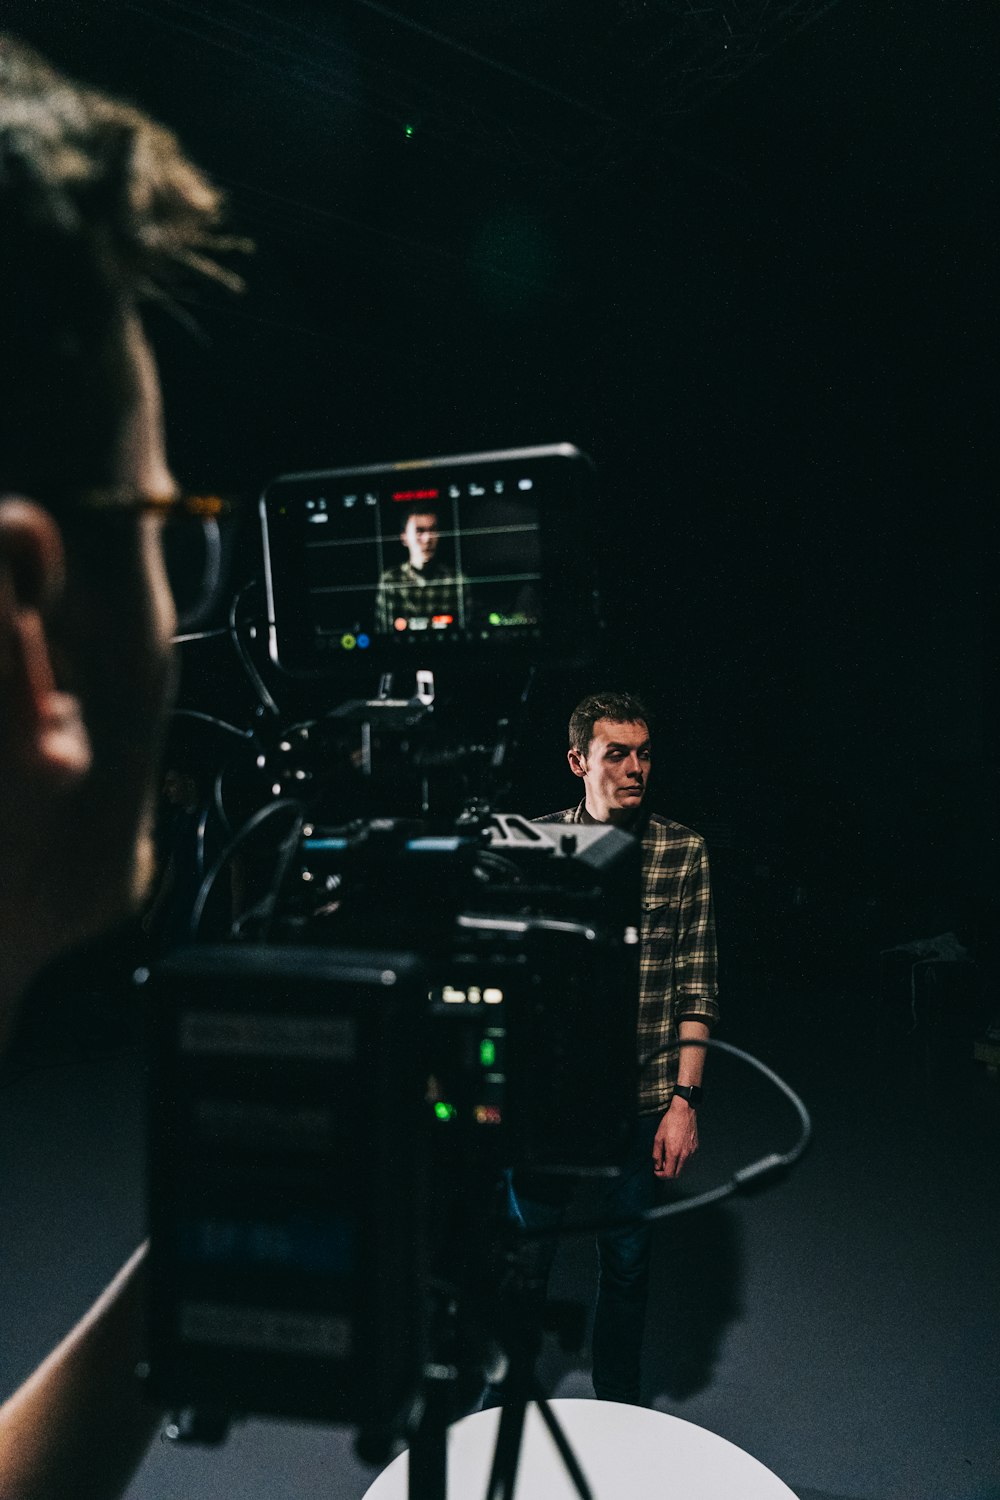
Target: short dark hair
{"x": 620, "y": 708}
{"x": 100, "y": 210}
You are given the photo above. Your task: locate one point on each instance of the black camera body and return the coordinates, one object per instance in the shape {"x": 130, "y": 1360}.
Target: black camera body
{"x": 311, "y": 1101}
{"x": 286, "y": 1210}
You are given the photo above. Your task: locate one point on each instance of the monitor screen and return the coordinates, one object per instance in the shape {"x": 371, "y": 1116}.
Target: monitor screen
{"x": 463, "y": 556}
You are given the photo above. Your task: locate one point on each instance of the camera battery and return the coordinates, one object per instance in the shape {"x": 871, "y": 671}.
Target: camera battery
{"x": 287, "y": 1174}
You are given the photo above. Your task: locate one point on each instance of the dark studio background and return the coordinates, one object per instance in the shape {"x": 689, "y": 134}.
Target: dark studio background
{"x": 744, "y": 257}
{"x": 762, "y": 304}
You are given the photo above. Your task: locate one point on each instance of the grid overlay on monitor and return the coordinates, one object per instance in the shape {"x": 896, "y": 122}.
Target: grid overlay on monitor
{"x": 381, "y": 535}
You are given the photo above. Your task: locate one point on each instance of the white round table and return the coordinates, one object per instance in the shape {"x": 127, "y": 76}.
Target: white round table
{"x": 625, "y": 1452}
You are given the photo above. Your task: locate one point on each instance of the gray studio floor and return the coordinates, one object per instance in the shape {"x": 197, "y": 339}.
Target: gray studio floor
{"x": 843, "y": 1326}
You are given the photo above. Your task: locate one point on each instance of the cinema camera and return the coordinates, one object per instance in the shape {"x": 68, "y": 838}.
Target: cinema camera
{"x": 419, "y": 999}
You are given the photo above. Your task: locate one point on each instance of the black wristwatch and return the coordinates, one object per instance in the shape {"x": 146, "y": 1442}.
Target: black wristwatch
{"x": 692, "y": 1092}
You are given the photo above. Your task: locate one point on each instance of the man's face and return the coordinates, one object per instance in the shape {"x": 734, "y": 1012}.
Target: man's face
{"x": 420, "y": 538}
{"x": 614, "y": 769}
{"x": 113, "y": 633}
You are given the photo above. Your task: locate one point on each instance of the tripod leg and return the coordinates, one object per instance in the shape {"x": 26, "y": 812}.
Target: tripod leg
{"x": 428, "y": 1463}
{"x": 562, "y": 1444}
{"x": 508, "y": 1450}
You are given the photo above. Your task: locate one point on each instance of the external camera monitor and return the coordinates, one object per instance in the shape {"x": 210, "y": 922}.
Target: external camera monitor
{"x": 464, "y": 559}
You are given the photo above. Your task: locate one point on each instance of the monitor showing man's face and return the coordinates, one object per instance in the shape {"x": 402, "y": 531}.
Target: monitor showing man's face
{"x": 420, "y": 537}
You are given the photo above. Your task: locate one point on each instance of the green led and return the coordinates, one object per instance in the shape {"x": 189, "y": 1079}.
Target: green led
{"x": 495, "y": 619}
{"x": 444, "y": 1111}
{"x": 487, "y": 1053}
{"x": 408, "y": 132}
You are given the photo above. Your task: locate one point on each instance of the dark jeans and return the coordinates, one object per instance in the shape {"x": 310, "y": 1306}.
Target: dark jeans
{"x": 622, "y": 1254}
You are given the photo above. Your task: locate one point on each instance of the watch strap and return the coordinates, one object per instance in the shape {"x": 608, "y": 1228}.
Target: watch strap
{"x": 691, "y": 1092}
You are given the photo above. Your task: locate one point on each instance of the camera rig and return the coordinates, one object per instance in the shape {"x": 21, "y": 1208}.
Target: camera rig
{"x": 330, "y": 1118}
{"x": 423, "y": 991}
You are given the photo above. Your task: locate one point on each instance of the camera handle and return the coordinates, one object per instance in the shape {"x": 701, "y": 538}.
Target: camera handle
{"x": 389, "y": 712}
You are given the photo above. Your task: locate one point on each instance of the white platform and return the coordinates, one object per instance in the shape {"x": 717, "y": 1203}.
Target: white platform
{"x": 625, "y": 1452}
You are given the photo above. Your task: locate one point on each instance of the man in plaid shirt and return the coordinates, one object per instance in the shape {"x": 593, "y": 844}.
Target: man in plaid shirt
{"x": 422, "y": 586}
{"x": 610, "y": 751}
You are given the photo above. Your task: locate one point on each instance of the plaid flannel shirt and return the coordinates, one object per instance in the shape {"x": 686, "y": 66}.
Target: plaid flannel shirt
{"x": 411, "y": 592}
{"x": 678, "y": 964}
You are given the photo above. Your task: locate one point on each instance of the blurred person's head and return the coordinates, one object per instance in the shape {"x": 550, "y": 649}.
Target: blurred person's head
{"x": 99, "y": 211}
{"x": 420, "y": 537}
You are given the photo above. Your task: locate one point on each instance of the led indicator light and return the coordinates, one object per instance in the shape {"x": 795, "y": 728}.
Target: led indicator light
{"x": 487, "y": 1053}
{"x": 496, "y": 619}
{"x": 444, "y": 1111}
{"x": 363, "y": 642}
{"x": 348, "y": 641}
{"x": 400, "y": 623}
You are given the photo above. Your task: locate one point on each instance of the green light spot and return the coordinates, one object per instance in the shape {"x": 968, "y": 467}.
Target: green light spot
{"x": 487, "y": 1053}
{"x": 444, "y": 1111}
{"x": 408, "y": 132}
{"x": 495, "y": 619}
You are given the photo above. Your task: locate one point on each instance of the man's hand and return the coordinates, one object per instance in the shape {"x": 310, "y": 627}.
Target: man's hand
{"x": 676, "y": 1138}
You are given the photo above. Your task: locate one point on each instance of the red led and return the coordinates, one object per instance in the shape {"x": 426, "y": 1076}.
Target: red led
{"x": 416, "y": 495}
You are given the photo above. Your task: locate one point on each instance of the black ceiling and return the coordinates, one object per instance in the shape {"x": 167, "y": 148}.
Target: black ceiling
{"x": 743, "y": 253}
